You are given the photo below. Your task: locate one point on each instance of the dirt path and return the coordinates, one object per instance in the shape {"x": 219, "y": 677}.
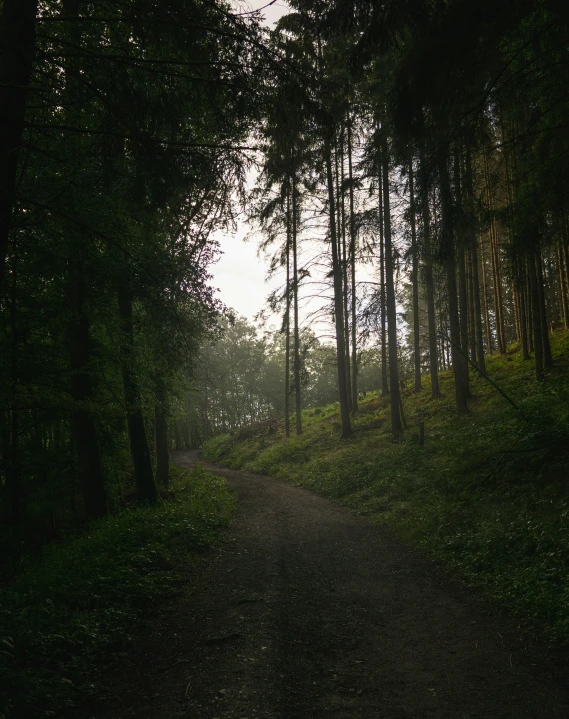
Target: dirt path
{"x": 307, "y": 611}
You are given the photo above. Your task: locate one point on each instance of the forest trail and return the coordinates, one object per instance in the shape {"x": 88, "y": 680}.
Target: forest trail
{"x": 308, "y": 611}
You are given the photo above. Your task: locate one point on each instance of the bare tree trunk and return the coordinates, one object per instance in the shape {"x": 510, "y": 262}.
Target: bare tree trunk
{"x": 287, "y": 322}
{"x": 295, "y": 301}
{"x": 415, "y": 283}
{"x": 536, "y": 317}
{"x": 17, "y": 43}
{"x": 86, "y": 441}
{"x": 353, "y": 274}
{"x": 344, "y": 259}
{"x": 384, "y": 383}
{"x": 161, "y": 435}
{"x": 394, "y": 391}
{"x": 431, "y": 315}
{"x": 547, "y": 357}
{"x": 139, "y": 450}
{"x": 338, "y": 300}
{"x": 448, "y": 248}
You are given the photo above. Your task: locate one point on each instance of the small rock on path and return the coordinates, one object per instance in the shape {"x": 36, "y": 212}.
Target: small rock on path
{"x": 307, "y": 611}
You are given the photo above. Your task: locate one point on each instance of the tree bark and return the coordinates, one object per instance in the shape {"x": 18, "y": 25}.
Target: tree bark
{"x": 338, "y": 300}
{"x": 139, "y": 450}
{"x": 86, "y": 441}
{"x": 431, "y": 315}
{"x": 536, "y": 317}
{"x": 353, "y": 273}
{"x": 394, "y": 390}
{"x": 384, "y": 382}
{"x": 287, "y": 322}
{"x": 161, "y": 434}
{"x": 17, "y": 43}
{"x": 415, "y": 283}
{"x": 295, "y": 301}
{"x": 447, "y": 241}
{"x": 547, "y": 357}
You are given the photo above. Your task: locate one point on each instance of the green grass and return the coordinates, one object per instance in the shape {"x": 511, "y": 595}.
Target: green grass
{"x": 487, "y": 494}
{"x": 83, "y": 597}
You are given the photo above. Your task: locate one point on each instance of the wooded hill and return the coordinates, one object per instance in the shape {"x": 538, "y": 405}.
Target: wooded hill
{"x": 484, "y": 493}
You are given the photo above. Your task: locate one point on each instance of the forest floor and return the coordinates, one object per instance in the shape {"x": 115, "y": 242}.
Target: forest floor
{"x": 307, "y": 610}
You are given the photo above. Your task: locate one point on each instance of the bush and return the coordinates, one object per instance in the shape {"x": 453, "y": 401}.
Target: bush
{"x": 83, "y": 596}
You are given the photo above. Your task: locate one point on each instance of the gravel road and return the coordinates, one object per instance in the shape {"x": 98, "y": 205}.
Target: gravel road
{"x": 307, "y": 611}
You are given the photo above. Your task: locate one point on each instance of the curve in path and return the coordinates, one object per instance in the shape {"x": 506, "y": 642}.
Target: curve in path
{"x": 308, "y": 611}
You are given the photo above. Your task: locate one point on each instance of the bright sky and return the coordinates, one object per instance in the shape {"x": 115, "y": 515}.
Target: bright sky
{"x": 240, "y": 274}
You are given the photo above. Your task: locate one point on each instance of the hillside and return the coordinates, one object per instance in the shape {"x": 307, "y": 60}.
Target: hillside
{"x": 486, "y": 494}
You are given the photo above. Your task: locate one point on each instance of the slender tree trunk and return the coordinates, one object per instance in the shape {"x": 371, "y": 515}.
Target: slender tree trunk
{"x": 287, "y": 322}
{"x": 547, "y": 357}
{"x": 12, "y": 495}
{"x": 384, "y": 382}
{"x": 415, "y": 283}
{"x": 295, "y": 300}
{"x": 463, "y": 316}
{"x": 431, "y": 316}
{"x": 536, "y": 317}
{"x": 338, "y": 300}
{"x": 17, "y": 50}
{"x": 394, "y": 391}
{"x": 447, "y": 241}
{"x": 487, "y": 325}
{"x": 161, "y": 435}
{"x": 344, "y": 260}
{"x": 139, "y": 450}
{"x": 86, "y": 441}
{"x": 353, "y": 274}
{"x": 563, "y": 286}
{"x": 522, "y": 282}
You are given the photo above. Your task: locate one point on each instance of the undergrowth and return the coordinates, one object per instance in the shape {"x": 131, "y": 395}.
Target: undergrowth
{"x": 487, "y": 494}
{"x": 84, "y": 595}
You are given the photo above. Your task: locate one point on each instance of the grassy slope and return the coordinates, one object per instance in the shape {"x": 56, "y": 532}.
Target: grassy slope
{"x": 498, "y": 519}
{"x": 84, "y": 595}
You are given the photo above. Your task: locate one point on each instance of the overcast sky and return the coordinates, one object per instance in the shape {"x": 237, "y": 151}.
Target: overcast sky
{"x": 240, "y": 274}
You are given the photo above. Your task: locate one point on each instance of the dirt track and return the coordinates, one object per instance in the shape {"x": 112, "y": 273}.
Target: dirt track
{"x": 307, "y": 611}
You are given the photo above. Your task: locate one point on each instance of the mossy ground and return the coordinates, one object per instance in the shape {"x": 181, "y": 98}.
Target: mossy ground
{"x": 487, "y": 494}
{"x": 83, "y": 597}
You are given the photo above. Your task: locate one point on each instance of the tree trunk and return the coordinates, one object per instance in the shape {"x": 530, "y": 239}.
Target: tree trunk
{"x": 344, "y": 259}
{"x": 384, "y": 383}
{"x": 447, "y": 241}
{"x": 17, "y": 43}
{"x": 139, "y": 450}
{"x": 547, "y": 357}
{"x": 287, "y": 322}
{"x": 161, "y": 434}
{"x": 394, "y": 390}
{"x": 415, "y": 283}
{"x": 86, "y": 441}
{"x": 295, "y": 300}
{"x": 431, "y": 315}
{"x": 485, "y": 296}
{"x": 338, "y": 300}
{"x": 353, "y": 274}
{"x": 536, "y": 317}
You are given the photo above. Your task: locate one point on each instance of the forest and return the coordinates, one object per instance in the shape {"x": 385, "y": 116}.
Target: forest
{"x": 405, "y": 167}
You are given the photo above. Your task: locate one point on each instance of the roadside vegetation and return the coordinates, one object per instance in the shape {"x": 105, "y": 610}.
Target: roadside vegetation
{"x": 85, "y": 595}
{"x": 486, "y": 494}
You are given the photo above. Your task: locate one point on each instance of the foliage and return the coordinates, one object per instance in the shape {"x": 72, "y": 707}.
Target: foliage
{"x": 487, "y": 493}
{"x": 86, "y": 594}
